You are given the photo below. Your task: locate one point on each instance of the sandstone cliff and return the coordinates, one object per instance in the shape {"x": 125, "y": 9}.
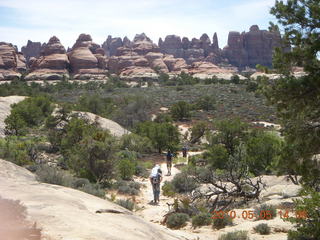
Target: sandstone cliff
{"x": 12, "y": 63}
{"x": 52, "y": 64}
{"x": 32, "y": 49}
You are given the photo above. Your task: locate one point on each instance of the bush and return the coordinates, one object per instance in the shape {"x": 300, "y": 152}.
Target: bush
{"x": 128, "y": 204}
{"x": 28, "y": 113}
{"x": 55, "y": 176}
{"x": 265, "y": 212}
{"x": 168, "y": 189}
{"x": 197, "y": 131}
{"x": 126, "y": 169}
{"x": 177, "y": 220}
{"x": 205, "y": 103}
{"x": 183, "y": 183}
{"x": 180, "y": 111}
{"x": 136, "y": 143}
{"x": 130, "y": 188}
{"x": 235, "y": 79}
{"x": 202, "y": 219}
{"x": 219, "y": 223}
{"x": 20, "y": 151}
{"x": 262, "y": 228}
{"x": 237, "y": 235}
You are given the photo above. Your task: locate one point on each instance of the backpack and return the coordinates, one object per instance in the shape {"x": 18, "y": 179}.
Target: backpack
{"x": 155, "y": 180}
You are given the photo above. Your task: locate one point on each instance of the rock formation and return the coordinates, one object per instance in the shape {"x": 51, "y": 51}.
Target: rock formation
{"x": 12, "y": 63}
{"x": 52, "y": 64}
{"x": 64, "y": 213}
{"x": 87, "y": 59}
{"x": 32, "y": 49}
{"x": 251, "y": 48}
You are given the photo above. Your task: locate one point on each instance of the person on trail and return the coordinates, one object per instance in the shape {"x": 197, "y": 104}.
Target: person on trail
{"x": 184, "y": 151}
{"x": 169, "y": 157}
{"x": 155, "y": 179}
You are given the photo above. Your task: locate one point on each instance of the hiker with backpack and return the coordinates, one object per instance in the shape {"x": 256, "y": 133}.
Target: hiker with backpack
{"x": 155, "y": 179}
{"x": 169, "y": 157}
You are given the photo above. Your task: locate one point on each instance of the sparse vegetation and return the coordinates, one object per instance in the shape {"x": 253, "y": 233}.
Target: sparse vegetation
{"x": 236, "y": 235}
{"x": 262, "y": 229}
{"x": 177, "y": 220}
{"x": 222, "y": 221}
{"x": 265, "y": 212}
{"x": 127, "y": 203}
{"x": 202, "y": 219}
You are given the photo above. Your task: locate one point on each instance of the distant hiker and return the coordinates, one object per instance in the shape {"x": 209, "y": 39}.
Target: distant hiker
{"x": 169, "y": 157}
{"x": 184, "y": 151}
{"x": 155, "y": 179}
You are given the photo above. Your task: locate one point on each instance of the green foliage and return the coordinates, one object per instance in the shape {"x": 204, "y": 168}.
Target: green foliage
{"x": 183, "y": 182}
{"x": 205, "y": 103}
{"x": 126, "y": 168}
{"x": 128, "y": 204}
{"x": 19, "y": 150}
{"x": 263, "y": 150}
{"x": 88, "y": 151}
{"x": 180, "y": 111}
{"x": 252, "y": 86}
{"x": 308, "y": 223}
{"x": 168, "y": 189}
{"x": 125, "y": 187}
{"x": 236, "y": 235}
{"x": 198, "y": 131}
{"x": 262, "y": 229}
{"x": 52, "y": 175}
{"x": 217, "y": 156}
{"x": 96, "y": 104}
{"x": 202, "y": 219}
{"x": 136, "y": 143}
{"x": 163, "y": 117}
{"x": 235, "y": 79}
{"x": 28, "y": 113}
{"x": 177, "y": 220}
{"x": 162, "y": 135}
{"x": 222, "y": 222}
{"x": 265, "y": 212}
{"x": 230, "y": 134}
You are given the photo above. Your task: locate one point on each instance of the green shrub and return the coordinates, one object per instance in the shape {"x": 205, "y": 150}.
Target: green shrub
{"x": 222, "y": 222}
{"x": 265, "y": 212}
{"x": 205, "y": 103}
{"x": 168, "y": 189}
{"x": 177, "y": 220}
{"x": 20, "y": 151}
{"x": 262, "y": 228}
{"x": 126, "y": 169}
{"x": 128, "y": 204}
{"x": 182, "y": 183}
{"x": 52, "y": 175}
{"x": 235, "y": 79}
{"x": 202, "y": 219}
{"x": 28, "y": 113}
{"x": 130, "y": 188}
{"x": 136, "y": 143}
{"x": 180, "y": 110}
{"x": 236, "y": 235}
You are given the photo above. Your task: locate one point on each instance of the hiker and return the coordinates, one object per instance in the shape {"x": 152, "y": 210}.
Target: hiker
{"x": 169, "y": 161}
{"x": 184, "y": 152}
{"x": 155, "y": 179}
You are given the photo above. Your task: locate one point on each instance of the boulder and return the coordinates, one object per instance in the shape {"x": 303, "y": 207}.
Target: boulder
{"x": 64, "y": 213}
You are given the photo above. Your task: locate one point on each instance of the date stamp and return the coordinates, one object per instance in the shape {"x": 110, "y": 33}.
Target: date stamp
{"x": 262, "y": 215}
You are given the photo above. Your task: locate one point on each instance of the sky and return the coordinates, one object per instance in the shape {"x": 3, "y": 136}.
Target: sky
{"x": 38, "y": 20}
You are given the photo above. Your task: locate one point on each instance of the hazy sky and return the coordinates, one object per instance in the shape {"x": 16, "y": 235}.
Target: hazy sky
{"x": 38, "y": 20}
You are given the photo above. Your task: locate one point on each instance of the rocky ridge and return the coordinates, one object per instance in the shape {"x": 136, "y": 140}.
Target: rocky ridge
{"x": 141, "y": 57}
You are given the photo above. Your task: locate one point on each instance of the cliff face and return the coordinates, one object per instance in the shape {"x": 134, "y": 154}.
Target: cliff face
{"x": 52, "y": 63}
{"x": 139, "y": 57}
{"x": 251, "y": 48}
{"x": 12, "y": 63}
{"x": 32, "y": 49}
